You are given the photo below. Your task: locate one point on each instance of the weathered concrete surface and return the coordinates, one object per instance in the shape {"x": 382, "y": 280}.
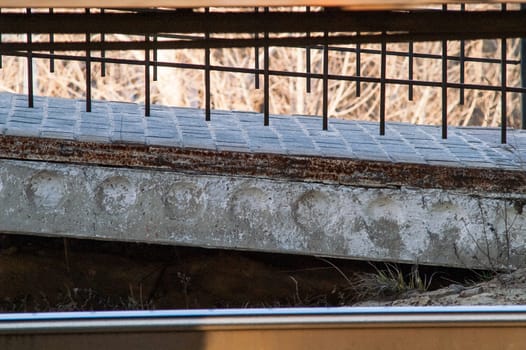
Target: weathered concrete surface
{"x": 428, "y": 226}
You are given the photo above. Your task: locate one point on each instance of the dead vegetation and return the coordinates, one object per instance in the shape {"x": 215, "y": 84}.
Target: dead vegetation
{"x": 34, "y": 276}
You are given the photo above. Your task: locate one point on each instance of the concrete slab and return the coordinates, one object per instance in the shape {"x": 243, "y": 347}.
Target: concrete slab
{"x": 348, "y": 192}
{"x": 425, "y": 226}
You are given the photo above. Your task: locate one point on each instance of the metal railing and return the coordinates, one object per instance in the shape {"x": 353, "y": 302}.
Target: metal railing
{"x": 326, "y": 30}
{"x": 365, "y": 328}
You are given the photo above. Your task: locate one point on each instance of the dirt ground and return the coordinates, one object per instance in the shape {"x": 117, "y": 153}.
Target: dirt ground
{"x": 48, "y": 274}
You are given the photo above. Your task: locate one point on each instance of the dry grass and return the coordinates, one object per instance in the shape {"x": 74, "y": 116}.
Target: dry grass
{"x": 390, "y": 281}
{"x": 236, "y": 91}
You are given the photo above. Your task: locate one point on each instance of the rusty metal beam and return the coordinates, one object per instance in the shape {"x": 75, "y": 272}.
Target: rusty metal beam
{"x": 294, "y": 168}
{"x": 416, "y": 22}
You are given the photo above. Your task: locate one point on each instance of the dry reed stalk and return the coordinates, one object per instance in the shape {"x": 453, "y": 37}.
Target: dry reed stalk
{"x": 288, "y": 96}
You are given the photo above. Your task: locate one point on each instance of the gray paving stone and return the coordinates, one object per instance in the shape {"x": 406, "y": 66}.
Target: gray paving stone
{"x": 198, "y": 143}
{"x": 95, "y": 132}
{"x": 297, "y": 140}
{"x": 232, "y": 147}
{"x": 332, "y": 140}
{"x": 163, "y": 141}
{"x": 94, "y": 119}
{"x": 160, "y": 123}
{"x": 22, "y": 131}
{"x": 341, "y": 124}
{"x": 20, "y": 101}
{"x": 284, "y": 125}
{"x": 335, "y": 152}
{"x": 442, "y": 162}
{"x": 89, "y": 137}
{"x": 61, "y": 103}
{"x": 191, "y": 122}
{"x": 247, "y": 116}
{"x": 372, "y": 156}
{"x": 196, "y": 135}
{"x": 162, "y": 133}
{"x": 27, "y": 113}
{"x": 297, "y": 145}
{"x": 130, "y": 128}
{"x": 226, "y": 135}
{"x": 357, "y": 139}
{"x": 6, "y": 99}
{"x": 477, "y": 163}
{"x": 272, "y": 146}
{"x": 56, "y": 134}
{"x": 261, "y": 133}
{"x": 120, "y": 107}
{"x": 244, "y": 132}
{"x": 61, "y": 113}
{"x": 49, "y": 128}
{"x": 366, "y": 148}
{"x": 406, "y": 157}
{"x": 274, "y": 149}
{"x": 298, "y": 151}
{"x": 128, "y": 137}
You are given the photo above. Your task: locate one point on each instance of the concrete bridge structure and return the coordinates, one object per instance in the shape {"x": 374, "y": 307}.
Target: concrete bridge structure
{"x": 173, "y": 178}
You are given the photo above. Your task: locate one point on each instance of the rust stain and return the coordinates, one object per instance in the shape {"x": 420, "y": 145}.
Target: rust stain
{"x": 295, "y": 168}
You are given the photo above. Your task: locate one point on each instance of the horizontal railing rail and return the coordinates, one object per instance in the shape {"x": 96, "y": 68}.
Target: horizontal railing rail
{"x": 338, "y": 328}
{"x": 349, "y": 4}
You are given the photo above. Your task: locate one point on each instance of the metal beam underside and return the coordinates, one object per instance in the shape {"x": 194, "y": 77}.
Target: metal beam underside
{"x": 381, "y": 25}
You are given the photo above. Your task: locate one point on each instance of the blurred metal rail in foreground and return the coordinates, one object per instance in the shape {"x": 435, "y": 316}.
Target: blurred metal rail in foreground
{"x": 331, "y": 328}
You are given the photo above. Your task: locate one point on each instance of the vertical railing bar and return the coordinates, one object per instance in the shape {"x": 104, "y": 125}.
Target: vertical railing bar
{"x": 523, "y": 76}
{"x": 462, "y": 63}
{"x": 51, "y": 52}
{"x": 503, "y": 83}
{"x": 147, "y": 77}
{"x": 256, "y": 55}
{"x": 102, "y": 53}
{"x": 383, "y": 65}
{"x": 30, "y": 103}
{"x": 207, "y": 75}
{"x": 444, "y": 84}
{"x": 358, "y": 67}
{"x": 266, "y": 80}
{"x": 0, "y": 43}
{"x": 155, "y": 57}
{"x": 308, "y": 60}
{"x": 410, "y": 70}
{"x": 88, "y": 69}
{"x": 326, "y": 82}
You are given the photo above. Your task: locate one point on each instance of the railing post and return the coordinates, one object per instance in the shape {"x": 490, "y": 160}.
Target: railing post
{"x": 523, "y": 77}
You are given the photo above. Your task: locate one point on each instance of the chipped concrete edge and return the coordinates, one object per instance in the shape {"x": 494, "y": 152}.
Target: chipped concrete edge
{"x": 344, "y": 171}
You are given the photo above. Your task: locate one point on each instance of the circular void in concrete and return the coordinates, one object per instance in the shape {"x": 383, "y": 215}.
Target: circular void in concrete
{"x": 249, "y": 207}
{"x": 116, "y": 194}
{"x": 46, "y": 189}
{"x": 310, "y": 211}
{"x": 183, "y": 200}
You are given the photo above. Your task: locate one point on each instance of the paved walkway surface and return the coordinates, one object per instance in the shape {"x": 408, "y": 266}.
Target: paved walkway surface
{"x": 115, "y": 122}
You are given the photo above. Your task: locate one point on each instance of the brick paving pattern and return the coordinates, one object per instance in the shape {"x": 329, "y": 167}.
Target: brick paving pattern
{"x": 116, "y": 122}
